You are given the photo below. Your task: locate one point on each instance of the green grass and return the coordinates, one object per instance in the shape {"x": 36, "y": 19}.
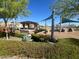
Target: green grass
{"x": 67, "y": 48}
{"x": 63, "y": 49}
{"x": 30, "y": 49}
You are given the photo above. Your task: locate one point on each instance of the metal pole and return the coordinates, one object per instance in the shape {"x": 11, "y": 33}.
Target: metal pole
{"x": 60, "y": 23}
{"x": 52, "y": 28}
{"x": 45, "y": 27}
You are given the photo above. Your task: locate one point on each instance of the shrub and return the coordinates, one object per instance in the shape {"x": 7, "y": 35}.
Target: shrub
{"x": 19, "y": 35}
{"x": 2, "y": 34}
{"x": 40, "y": 38}
{"x": 40, "y": 30}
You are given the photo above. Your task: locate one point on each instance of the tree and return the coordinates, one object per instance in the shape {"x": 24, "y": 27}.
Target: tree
{"x": 66, "y": 8}
{"x": 10, "y": 9}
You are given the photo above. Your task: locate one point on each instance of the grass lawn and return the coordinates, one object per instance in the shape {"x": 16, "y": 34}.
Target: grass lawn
{"x": 63, "y": 49}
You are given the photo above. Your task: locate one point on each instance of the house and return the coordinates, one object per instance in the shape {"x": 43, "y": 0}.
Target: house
{"x": 22, "y": 26}
{"x": 29, "y": 26}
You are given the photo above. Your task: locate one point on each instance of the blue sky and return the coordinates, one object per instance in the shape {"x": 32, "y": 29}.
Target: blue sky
{"x": 40, "y": 10}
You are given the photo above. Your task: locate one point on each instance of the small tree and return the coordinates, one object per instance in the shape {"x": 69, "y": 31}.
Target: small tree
{"x": 10, "y": 9}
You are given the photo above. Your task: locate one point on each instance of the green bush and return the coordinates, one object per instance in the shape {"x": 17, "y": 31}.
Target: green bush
{"x": 2, "y": 34}
{"x": 19, "y": 35}
{"x": 40, "y": 38}
{"x": 40, "y": 30}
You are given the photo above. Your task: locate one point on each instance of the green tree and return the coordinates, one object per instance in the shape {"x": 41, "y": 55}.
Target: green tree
{"x": 10, "y": 9}
{"x": 66, "y": 8}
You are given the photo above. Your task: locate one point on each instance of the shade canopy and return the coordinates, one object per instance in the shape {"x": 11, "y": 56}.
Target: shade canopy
{"x": 47, "y": 18}
{"x": 28, "y": 22}
{"x": 65, "y": 20}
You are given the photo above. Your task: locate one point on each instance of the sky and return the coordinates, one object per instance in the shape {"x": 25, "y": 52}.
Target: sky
{"x": 40, "y": 9}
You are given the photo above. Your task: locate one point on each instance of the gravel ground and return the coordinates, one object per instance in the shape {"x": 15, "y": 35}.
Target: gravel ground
{"x": 67, "y": 34}
{"x": 60, "y": 35}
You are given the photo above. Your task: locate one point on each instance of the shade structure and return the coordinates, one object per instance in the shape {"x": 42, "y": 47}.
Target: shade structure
{"x": 29, "y": 22}
{"x": 47, "y": 18}
{"x": 65, "y": 20}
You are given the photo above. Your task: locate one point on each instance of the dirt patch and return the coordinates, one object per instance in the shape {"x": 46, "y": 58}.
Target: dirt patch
{"x": 67, "y": 35}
